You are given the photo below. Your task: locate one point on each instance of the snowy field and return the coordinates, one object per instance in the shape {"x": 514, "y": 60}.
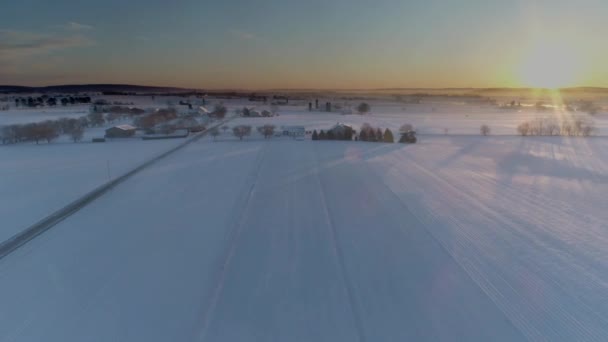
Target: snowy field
{"x": 28, "y": 115}
{"x": 455, "y": 238}
{"x": 459, "y": 119}
{"x": 37, "y": 180}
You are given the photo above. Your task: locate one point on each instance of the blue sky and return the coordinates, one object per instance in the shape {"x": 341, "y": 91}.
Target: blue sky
{"x": 295, "y": 44}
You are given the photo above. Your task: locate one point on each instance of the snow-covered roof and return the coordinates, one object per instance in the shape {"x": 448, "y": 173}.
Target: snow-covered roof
{"x": 125, "y": 127}
{"x": 293, "y": 129}
{"x": 341, "y": 126}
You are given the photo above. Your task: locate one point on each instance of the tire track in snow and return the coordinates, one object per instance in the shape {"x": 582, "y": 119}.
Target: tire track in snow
{"x": 235, "y": 233}
{"x": 447, "y": 251}
{"x": 335, "y": 241}
{"x": 541, "y": 237}
{"x": 554, "y": 304}
{"x": 532, "y": 281}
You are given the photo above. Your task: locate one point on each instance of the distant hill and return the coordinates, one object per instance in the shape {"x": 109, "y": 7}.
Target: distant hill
{"x": 92, "y": 88}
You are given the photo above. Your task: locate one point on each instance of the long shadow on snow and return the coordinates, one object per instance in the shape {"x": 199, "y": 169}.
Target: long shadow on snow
{"x": 526, "y": 164}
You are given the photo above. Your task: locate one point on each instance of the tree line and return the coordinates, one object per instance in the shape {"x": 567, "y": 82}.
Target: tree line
{"x": 45, "y": 100}
{"x": 44, "y": 131}
{"x": 366, "y": 133}
{"x": 554, "y": 127}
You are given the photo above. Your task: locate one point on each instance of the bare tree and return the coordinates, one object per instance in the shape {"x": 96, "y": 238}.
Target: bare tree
{"x": 578, "y": 126}
{"x": 567, "y": 128}
{"x": 552, "y": 127}
{"x": 267, "y": 131}
{"x": 537, "y": 127}
{"x": 241, "y": 131}
{"x": 214, "y": 132}
{"x": 96, "y": 119}
{"x": 523, "y": 129}
{"x": 220, "y": 111}
{"x": 47, "y": 131}
{"x": 77, "y": 133}
{"x": 484, "y": 130}
{"x": 588, "y": 129}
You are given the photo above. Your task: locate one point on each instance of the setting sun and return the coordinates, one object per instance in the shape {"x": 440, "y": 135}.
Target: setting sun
{"x": 550, "y": 66}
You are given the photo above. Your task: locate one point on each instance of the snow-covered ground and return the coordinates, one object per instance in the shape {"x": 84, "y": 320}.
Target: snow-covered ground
{"x": 428, "y": 118}
{"x": 28, "y": 115}
{"x": 455, "y": 238}
{"x": 37, "y": 180}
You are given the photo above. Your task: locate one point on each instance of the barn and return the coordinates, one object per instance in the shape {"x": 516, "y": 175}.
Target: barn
{"x": 120, "y": 131}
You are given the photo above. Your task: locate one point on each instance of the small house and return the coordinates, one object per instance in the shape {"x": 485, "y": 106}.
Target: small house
{"x": 120, "y": 131}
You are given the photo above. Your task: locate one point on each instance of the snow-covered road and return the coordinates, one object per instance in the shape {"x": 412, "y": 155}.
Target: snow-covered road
{"x": 452, "y": 239}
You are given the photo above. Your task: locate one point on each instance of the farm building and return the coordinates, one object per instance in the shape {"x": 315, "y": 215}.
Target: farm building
{"x": 294, "y": 131}
{"x": 341, "y": 131}
{"x": 340, "y": 128}
{"x": 120, "y": 131}
{"x": 203, "y": 111}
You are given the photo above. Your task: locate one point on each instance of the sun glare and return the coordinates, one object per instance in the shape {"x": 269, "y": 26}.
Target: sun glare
{"x": 550, "y": 66}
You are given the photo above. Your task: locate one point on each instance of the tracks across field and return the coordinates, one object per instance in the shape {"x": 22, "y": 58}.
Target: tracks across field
{"x": 31, "y": 232}
{"x": 236, "y": 229}
{"x": 510, "y": 272}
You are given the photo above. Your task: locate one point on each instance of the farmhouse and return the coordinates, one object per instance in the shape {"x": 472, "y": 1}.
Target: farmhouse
{"x": 120, "y": 131}
{"x": 340, "y": 129}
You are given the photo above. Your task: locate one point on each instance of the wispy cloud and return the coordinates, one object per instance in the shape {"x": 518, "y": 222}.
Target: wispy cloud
{"x": 22, "y": 43}
{"x": 74, "y": 26}
{"x": 242, "y": 35}
{"x": 22, "y": 50}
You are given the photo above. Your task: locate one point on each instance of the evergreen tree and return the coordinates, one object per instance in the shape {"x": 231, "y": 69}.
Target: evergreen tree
{"x": 388, "y": 136}
{"x": 322, "y": 135}
{"x": 331, "y": 135}
{"x": 363, "y": 135}
{"x": 348, "y": 134}
{"x": 379, "y": 135}
{"x": 371, "y": 135}
{"x": 315, "y": 135}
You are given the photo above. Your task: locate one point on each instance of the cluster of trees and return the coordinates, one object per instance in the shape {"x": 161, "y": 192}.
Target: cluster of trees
{"x": 264, "y": 113}
{"x": 44, "y": 131}
{"x": 158, "y": 117}
{"x": 241, "y": 131}
{"x": 118, "y": 111}
{"x": 346, "y": 134}
{"x": 363, "y": 108}
{"x": 552, "y": 127}
{"x": 588, "y": 107}
{"x": 219, "y": 111}
{"x": 45, "y": 100}
{"x": 369, "y": 133}
{"x": 485, "y": 130}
